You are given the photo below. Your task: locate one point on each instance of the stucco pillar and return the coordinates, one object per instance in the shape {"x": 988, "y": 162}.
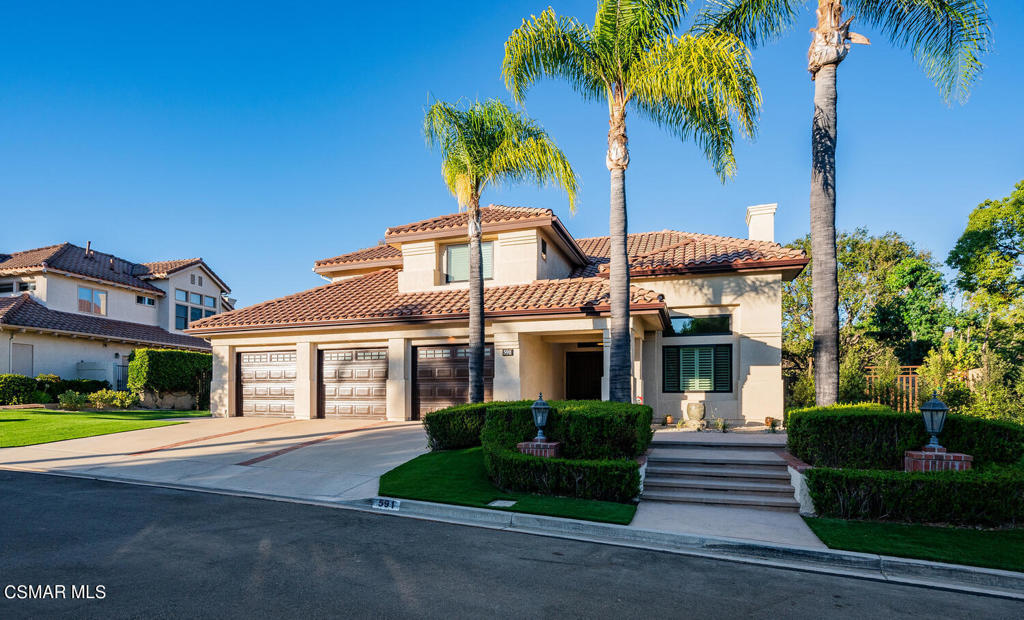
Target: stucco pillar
{"x": 638, "y": 365}
{"x": 507, "y": 358}
{"x": 399, "y": 384}
{"x": 222, "y": 384}
{"x": 305, "y": 381}
{"x": 606, "y": 336}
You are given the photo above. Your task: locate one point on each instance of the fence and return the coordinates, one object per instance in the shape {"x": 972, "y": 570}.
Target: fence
{"x": 902, "y": 396}
{"x": 120, "y": 377}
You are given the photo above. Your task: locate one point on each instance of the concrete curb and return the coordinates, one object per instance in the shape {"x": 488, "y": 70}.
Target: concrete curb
{"x": 867, "y": 566}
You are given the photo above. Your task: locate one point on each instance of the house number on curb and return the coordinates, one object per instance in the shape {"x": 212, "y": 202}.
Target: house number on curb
{"x": 386, "y": 504}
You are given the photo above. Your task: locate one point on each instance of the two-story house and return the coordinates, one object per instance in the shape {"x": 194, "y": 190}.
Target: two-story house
{"x": 78, "y": 313}
{"x": 386, "y": 337}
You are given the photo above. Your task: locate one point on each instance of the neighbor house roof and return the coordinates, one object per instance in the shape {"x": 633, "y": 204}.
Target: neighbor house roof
{"x": 25, "y": 312}
{"x": 377, "y": 255}
{"x": 675, "y": 252}
{"x": 74, "y": 260}
{"x": 374, "y": 297}
{"x": 161, "y": 269}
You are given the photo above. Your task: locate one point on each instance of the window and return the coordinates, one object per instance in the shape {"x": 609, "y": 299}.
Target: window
{"x": 145, "y": 301}
{"x": 699, "y": 325}
{"x": 210, "y": 302}
{"x": 194, "y": 314}
{"x": 702, "y": 368}
{"x": 92, "y": 300}
{"x": 457, "y": 262}
{"x": 180, "y": 316}
{"x": 209, "y": 313}
{"x": 180, "y": 295}
{"x": 195, "y": 298}
{"x": 200, "y": 279}
{"x": 6, "y": 287}
{"x": 192, "y": 278}
{"x": 27, "y": 286}
{"x": 544, "y": 249}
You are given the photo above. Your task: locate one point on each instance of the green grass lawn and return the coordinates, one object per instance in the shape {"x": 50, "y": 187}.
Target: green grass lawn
{"x": 458, "y": 477}
{"x": 989, "y": 548}
{"x": 26, "y": 427}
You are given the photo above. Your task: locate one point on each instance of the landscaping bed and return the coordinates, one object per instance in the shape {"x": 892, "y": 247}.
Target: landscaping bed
{"x": 26, "y": 427}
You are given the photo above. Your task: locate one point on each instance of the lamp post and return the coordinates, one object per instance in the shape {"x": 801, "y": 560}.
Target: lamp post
{"x": 540, "y": 410}
{"x": 934, "y": 412}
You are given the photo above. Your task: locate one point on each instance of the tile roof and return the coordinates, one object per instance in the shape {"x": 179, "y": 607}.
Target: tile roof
{"x": 493, "y": 214}
{"x": 376, "y": 254}
{"x": 163, "y": 268}
{"x": 24, "y": 311}
{"x": 375, "y": 297}
{"x": 671, "y": 251}
{"x": 73, "y": 259}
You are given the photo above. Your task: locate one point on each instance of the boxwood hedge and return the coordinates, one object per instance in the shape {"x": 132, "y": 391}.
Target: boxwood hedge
{"x": 166, "y": 370}
{"x": 16, "y": 389}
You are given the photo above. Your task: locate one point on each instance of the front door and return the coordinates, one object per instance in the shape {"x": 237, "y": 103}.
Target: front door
{"x": 583, "y": 372}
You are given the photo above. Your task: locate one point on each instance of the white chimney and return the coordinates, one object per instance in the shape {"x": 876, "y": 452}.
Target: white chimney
{"x": 761, "y": 222}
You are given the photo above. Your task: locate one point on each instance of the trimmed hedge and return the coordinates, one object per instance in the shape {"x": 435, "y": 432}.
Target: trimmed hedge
{"x": 54, "y": 386}
{"x": 167, "y": 370}
{"x": 16, "y": 389}
{"x": 599, "y": 443}
{"x": 455, "y": 427}
{"x": 875, "y": 437}
{"x": 991, "y": 497}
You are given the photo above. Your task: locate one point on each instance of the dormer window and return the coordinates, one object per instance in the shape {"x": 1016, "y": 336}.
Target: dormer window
{"x": 456, "y": 268}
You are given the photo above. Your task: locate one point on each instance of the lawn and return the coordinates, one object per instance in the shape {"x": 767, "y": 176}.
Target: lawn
{"x": 26, "y": 427}
{"x": 1002, "y": 549}
{"x": 458, "y": 477}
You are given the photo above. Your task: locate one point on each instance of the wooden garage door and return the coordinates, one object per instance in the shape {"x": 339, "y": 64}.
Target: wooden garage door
{"x": 442, "y": 377}
{"x": 353, "y": 383}
{"x": 266, "y": 382}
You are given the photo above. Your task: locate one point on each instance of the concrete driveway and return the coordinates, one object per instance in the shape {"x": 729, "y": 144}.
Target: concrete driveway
{"x": 304, "y": 459}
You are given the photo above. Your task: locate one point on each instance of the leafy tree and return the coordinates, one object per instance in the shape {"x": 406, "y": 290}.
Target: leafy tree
{"x": 913, "y": 315}
{"x": 988, "y": 254}
{"x": 947, "y": 37}
{"x": 482, "y": 144}
{"x": 697, "y": 86}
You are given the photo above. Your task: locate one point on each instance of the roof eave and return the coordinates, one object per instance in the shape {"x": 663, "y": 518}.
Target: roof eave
{"x": 91, "y": 336}
{"x": 326, "y": 268}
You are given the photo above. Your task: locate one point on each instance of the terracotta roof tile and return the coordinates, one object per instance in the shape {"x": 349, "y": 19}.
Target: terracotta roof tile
{"x": 375, "y": 296}
{"x": 163, "y": 268}
{"x": 377, "y": 253}
{"x": 671, "y": 251}
{"x": 492, "y": 214}
{"x": 74, "y": 259}
{"x": 24, "y": 311}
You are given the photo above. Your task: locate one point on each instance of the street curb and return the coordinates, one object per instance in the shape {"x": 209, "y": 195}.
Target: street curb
{"x": 865, "y": 566}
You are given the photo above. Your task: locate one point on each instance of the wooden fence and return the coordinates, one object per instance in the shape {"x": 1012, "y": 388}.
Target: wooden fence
{"x": 901, "y": 398}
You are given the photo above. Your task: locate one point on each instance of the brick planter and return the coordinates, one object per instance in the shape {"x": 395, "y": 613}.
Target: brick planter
{"x": 547, "y": 449}
{"x": 930, "y": 458}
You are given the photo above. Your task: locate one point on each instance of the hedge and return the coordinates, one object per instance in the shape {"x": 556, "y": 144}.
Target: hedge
{"x": 455, "y": 427}
{"x": 875, "y": 437}
{"x": 991, "y": 497}
{"x": 16, "y": 389}
{"x": 599, "y": 444}
{"x": 167, "y": 370}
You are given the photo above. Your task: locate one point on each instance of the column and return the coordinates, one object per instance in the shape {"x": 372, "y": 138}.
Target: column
{"x": 607, "y": 350}
{"x": 223, "y": 398}
{"x": 399, "y": 384}
{"x": 306, "y": 388}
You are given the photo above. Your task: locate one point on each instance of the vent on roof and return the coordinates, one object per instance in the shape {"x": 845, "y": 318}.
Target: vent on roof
{"x": 88, "y": 249}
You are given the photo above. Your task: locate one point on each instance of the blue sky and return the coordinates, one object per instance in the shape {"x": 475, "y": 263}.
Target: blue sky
{"x": 263, "y": 136}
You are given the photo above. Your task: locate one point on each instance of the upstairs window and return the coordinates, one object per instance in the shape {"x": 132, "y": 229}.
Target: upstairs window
{"x": 699, "y": 326}
{"x": 180, "y": 316}
{"x": 6, "y": 287}
{"x": 27, "y": 286}
{"x": 457, "y": 261}
{"x": 210, "y": 302}
{"x": 92, "y": 300}
{"x": 697, "y": 368}
{"x": 145, "y": 301}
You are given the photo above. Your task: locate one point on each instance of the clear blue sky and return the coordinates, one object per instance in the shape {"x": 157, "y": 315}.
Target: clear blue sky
{"x": 263, "y": 136}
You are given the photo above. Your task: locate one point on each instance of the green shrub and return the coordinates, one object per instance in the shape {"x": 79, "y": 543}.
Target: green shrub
{"x": 101, "y": 399}
{"x": 72, "y": 401}
{"x": 48, "y": 383}
{"x": 869, "y": 436}
{"x": 800, "y": 390}
{"x": 608, "y": 480}
{"x": 455, "y": 427}
{"x": 126, "y": 400}
{"x": 39, "y": 398}
{"x": 166, "y": 370}
{"x": 16, "y": 389}
{"x": 993, "y": 497}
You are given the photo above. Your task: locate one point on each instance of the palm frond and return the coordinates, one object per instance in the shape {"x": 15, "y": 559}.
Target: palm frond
{"x": 756, "y": 22}
{"x": 947, "y": 37}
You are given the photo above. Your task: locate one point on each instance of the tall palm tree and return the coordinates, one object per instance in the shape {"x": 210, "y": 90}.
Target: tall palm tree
{"x": 694, "y": 85}
{"x": 947, "y": 37}
{"x": 481, "y": 144}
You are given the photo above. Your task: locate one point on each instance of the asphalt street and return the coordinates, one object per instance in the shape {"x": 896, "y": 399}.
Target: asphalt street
{"x": 162, "y": 553}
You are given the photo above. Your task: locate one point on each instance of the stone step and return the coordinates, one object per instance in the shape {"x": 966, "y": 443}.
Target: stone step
{"x": 758, "y": 473}
{"x": 723, "y": 485}
{"x": 718, "y": 445}
{"x": 739, "y": 500}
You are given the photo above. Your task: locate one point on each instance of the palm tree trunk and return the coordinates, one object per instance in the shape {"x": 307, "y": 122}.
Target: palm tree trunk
{"x": 620, "y": 369}
{"x": 476, "y": 304}
{"x": 824, "y": 270}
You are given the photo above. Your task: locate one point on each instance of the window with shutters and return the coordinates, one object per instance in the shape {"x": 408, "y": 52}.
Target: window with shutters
{"x": 457, "y": 261}
{"x": 699, "y": 368}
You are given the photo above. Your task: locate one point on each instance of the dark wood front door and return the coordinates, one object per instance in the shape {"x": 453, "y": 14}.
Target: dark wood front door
{"x": 442, "y": 377}
{"x": 583, "y": 372}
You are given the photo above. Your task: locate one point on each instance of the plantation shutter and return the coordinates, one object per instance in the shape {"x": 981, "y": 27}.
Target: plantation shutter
{"x": 705, "y": 375}
{"x": 670, "y": 368}
{"x": 723, "y": 368}
{"x": 487, "y": 250}
{"x": 458, "y": 263}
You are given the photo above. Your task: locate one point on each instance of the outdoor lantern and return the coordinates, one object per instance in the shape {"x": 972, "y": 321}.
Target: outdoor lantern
{"x": 540, "y": 410}
{"x": 934, "y": 412}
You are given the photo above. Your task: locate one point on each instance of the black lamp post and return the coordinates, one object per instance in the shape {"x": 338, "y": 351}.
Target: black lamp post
{"x": 934, "y": 412}
{"x": 540, "y": 409}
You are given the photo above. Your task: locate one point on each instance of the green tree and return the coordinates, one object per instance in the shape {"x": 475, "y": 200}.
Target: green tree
{"x": 947, "y": 37}
{"x": 913, "y": 315}
{"x": 696, "y": 85}
{"x": 483, "y": 144}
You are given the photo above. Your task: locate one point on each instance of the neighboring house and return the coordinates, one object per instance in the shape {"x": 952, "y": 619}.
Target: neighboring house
{"x": 386, "y": 338}
{"x": 79, "y": 313}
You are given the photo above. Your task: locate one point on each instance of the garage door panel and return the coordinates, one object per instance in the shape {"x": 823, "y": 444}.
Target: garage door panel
{"x": 267, "y": 383}
{"x": 442, "y": 377}
{"x": 354, "y": 383}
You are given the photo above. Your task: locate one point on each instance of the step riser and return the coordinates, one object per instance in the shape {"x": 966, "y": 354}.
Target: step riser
{"x": 732, "y": 505}
{"x": 704, "y": 465}
{"x": 675, "y": 445}
{"x": 704, "y": 476}
{"x": 724, "y": 493}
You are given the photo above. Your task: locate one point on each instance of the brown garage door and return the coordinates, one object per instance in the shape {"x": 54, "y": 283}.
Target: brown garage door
{"x": 266, "y": 384}
{"x": 442, "y": 377}
{"x": 353, "y": 383}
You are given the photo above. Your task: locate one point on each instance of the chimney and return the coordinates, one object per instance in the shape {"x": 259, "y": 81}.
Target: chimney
{"x": 761, "y": 222}
{"x": 88, "y": 249}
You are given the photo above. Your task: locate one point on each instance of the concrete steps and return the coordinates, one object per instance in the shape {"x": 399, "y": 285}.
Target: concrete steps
{"x": 736, "y": 471}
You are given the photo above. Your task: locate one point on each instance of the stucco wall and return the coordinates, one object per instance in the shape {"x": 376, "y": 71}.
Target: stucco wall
{"x": 61, "y": 355}
{"x": 61, "y": 293}
{"x": 182, "y": 280}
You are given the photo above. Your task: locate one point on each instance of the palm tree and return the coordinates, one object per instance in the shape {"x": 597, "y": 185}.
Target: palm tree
{"x": 947, "y": 37}
{"x": 481, "y": 144}
{"x": 695, "y": 86}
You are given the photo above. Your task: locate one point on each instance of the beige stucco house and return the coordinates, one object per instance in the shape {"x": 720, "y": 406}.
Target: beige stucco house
{"x": 76, "y": 312}
{"x": 386, "y": 337}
